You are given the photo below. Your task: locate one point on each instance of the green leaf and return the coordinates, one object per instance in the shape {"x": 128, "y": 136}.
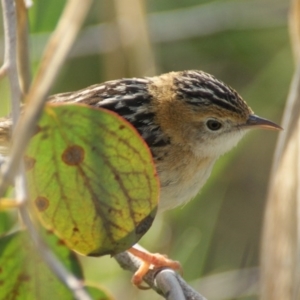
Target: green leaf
{"x": 24, "y": 275}
{"x": 91, "y": 179}
{"x": 7, "y": 221}
{"x": 8, "y": 216}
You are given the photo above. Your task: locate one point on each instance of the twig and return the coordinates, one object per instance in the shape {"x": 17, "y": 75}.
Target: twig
{"x": 167, "y": 282}
{"x": 17, "y": 169}
{"x": 22, "y": 43}
{"x": 75, "y": 285}
{"x": 3, "y": 70}
{"x": 53, "y": 58}
{"x": 280, "y": 261}
{"x": 10, "y": 53}
{"x": 131, "y": 21}
{"x": 164, "y": 281}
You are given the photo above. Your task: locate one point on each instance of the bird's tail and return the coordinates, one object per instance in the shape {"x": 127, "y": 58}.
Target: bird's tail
{"x": 5, "y": 135}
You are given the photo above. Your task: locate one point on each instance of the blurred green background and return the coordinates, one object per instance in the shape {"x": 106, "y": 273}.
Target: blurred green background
{"x": 245, "y": 43}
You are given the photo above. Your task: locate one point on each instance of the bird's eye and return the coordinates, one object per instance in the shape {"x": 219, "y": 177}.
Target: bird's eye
{"x": 213, "y": 125}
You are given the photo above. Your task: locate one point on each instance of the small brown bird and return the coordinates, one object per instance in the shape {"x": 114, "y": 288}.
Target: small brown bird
{"x": 188, "y": 119}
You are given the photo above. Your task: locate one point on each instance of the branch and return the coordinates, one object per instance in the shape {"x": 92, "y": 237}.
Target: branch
{"x": 10, "y": 53}
{"x": 280, "y": 260}
{"x": 164, "y": 281}
{"x": 131, "y": 23}
{"x": 23, "y": 48}
{"x": 3, "y": 70}
{"x": 53, "y": 58}
{"x": 75, "y": 285}
{"x": 14, "y": 167}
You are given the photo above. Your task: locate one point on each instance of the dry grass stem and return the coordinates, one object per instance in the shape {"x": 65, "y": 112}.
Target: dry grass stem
{"x": 280, "y": 276}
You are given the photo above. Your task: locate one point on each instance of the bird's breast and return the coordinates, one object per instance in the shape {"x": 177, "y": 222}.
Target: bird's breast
{"x": 181, "y": 179}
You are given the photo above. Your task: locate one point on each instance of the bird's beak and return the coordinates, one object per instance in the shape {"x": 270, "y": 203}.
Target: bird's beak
{"x": 256, "y": 121}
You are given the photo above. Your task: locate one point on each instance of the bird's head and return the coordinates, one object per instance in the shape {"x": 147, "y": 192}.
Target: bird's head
{"x": 206, "y": 114}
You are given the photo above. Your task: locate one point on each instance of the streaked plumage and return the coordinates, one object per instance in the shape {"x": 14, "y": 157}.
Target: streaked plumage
{"x": 173, "y": 112}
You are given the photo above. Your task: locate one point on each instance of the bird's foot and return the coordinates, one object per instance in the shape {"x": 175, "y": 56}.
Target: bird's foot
{"x": 150, "y": 260}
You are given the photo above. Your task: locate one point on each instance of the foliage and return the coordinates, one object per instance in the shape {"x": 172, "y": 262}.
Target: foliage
{"x": 91, "y": 179}
{"x": 24, "y": 275}
{"x": 96, "y": 190}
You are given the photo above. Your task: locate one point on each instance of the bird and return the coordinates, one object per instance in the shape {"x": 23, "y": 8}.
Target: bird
{"x": 188, "y": 119}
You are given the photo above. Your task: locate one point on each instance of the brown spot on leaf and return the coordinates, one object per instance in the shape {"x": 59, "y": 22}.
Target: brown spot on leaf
{"x": 37, "y": 129}
{"x": 121, "y": 127}
{"x": 44, "y": 132}
{"x": 73, "y": 155}
{"x": 24, "y": 277}
{"x": 61, "y": 243}
{"x": 41, "y": 203}
{"x": 75, "y": 229}
{"x": 29, "y": 162}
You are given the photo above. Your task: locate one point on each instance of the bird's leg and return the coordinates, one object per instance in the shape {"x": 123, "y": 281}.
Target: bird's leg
{"x": 149, "y": 260}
